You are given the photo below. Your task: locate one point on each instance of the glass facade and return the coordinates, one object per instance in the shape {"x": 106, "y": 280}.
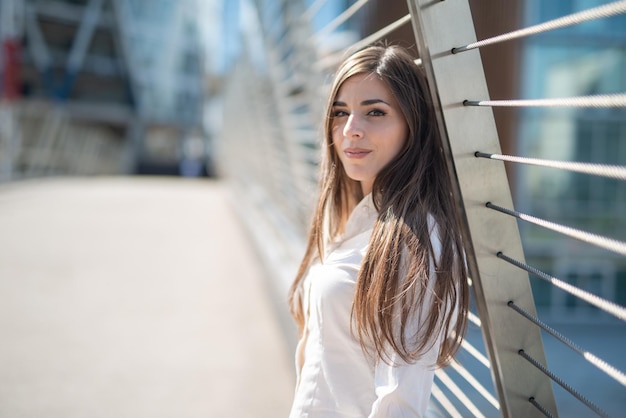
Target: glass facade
{"x": 581, "y": 60}
{"x": 165, "y": 61}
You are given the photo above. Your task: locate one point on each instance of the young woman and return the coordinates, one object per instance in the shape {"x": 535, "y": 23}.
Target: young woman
{"x": 381, "y": 296}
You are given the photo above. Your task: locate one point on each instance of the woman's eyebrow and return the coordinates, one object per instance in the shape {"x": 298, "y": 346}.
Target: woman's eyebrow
{"x": 373, "y": 101}
{"x": 363, "y": 103}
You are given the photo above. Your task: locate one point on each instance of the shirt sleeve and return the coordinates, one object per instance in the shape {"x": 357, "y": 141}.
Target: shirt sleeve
{"x": 403, "y": 390}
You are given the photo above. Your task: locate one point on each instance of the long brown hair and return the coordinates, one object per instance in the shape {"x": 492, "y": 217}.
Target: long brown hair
{"x": 394, "y": 283}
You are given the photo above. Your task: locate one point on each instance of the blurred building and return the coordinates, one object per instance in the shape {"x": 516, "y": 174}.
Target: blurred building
{"x": 581, "y": 60}
{"x": 115, "y": 81}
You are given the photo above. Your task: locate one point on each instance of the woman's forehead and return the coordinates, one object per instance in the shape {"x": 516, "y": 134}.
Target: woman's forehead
{"x": 362, "y": 85}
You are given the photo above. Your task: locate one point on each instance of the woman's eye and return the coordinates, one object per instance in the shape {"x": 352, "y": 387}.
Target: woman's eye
{"x": 376, "y": 112}
{"x": 339, "y": 113}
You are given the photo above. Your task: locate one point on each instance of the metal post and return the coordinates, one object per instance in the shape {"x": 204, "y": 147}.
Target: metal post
{"x": 37, "y": 48}
{"x": 85, "y": 32}
{"x": 134, "y": 149}
{"x": 440, "y": 26}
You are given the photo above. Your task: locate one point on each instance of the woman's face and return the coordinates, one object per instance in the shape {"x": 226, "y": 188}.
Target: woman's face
{"x": 368, "y": 128}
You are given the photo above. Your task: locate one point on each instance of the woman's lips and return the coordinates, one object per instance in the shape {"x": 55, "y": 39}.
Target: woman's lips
{"x": 356, "y": 152}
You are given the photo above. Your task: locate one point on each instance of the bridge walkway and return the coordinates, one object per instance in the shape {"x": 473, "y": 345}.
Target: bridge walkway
{"x": 134, "y": 297}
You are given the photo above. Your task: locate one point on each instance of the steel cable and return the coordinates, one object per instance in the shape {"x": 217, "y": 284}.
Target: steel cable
{"x": 540, "y": 407}
{"x": 337, "y": 57}
{"x": 607, "y": 10}
{"x": 564, "y": 385}
{"x": 473, "y": 351}
{"x": 445, "y": 403}
{"x": 597, "y": 101}
{"x": 462, "y": 371}
{"x": 460, "y": 395}
{"x": 604, "y": 170}
{"x": 590, "y": 357}
{"x": 339, "y": 20}
{"x": 313, "y": 10}
{"x": 598, "y": 240}
{"x": 603, "y": 304}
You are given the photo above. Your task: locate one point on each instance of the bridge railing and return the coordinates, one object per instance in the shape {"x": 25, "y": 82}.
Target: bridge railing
{"x": 40, "y": 139}
{"x": 269, "y": 150}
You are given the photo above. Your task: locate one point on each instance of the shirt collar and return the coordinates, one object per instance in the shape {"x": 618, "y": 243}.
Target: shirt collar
{"x": 361, "y": 219}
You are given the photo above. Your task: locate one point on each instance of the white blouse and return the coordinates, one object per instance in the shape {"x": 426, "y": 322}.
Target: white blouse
{"x": 335, "y": 378}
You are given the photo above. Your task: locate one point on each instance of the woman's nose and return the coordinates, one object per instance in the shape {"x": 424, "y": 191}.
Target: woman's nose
{"x": 352, "y": 128}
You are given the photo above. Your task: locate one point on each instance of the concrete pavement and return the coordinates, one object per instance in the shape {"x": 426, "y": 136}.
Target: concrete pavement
{"x": 134, "y": 297}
